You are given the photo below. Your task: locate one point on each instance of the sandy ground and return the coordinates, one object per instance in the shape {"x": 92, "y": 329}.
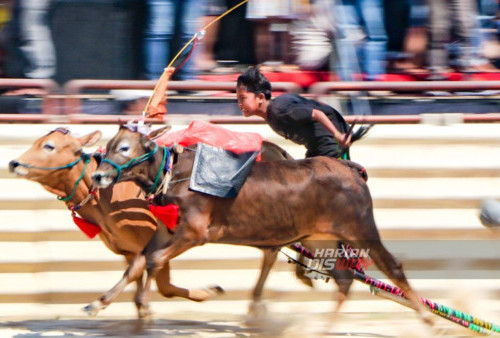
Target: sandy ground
{"x": 200, "y": 324}
{"x": 373, "y": 318}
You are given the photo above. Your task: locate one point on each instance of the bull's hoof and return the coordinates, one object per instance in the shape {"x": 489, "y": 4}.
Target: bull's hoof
{"x": 93, "y": 308}
{"x": 257, "y": 314}
{"x": 428, "y": 318}
{"x": 216, "y": 290}
{"x": 201, "y": 295}
{"x": 145, "y": 314}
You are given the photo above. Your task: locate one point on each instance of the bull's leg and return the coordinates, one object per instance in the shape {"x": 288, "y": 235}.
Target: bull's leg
{"x": 257, "y": 309}
{"x": 156, "y": 260}
{"x": 134, "y": 272}
{"x": 143, "y": 310}
{"x": 169, "y": 290}
{"x": 393, "y": 269}
{"x": 343, "y": 279}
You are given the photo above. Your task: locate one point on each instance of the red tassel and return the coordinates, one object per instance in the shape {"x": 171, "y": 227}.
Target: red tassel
{"x": 89, "y": 229}
{"x": 168, "y": 214}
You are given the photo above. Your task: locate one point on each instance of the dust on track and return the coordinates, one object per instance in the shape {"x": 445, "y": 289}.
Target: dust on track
{"x": 200, "y": 324}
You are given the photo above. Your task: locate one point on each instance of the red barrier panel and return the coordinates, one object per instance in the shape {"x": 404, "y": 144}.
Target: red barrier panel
{"x": 321, "y": 88}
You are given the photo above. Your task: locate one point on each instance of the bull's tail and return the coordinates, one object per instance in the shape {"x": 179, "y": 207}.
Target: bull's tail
{"x": 362, "y": 131}
{"x": 357, "y": 135}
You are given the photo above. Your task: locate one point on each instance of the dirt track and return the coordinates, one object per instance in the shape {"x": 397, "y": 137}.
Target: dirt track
{"x": 365, "y": 316}
{"x": 200, "y": 324}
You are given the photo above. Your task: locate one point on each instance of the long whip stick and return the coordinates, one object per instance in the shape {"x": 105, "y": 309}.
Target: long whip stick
{"x": 395, "y": 293}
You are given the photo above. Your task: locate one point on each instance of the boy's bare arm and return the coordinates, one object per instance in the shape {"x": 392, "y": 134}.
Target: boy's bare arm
{"x": 319, "y": 116}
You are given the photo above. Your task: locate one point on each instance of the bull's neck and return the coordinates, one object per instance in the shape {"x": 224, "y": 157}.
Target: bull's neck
{"x": 156, "y": 172}
{"x": 78, "y": 184}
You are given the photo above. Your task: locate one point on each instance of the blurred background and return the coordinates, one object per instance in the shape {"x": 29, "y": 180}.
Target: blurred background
{"x": 302, "y": 42}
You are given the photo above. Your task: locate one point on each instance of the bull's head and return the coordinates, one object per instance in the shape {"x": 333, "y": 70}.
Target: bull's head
{"x": 128, "y": 156}
{"x": 51, "y": 154}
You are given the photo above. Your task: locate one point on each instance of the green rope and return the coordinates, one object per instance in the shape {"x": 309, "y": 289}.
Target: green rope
{"x": 163, "y": 161}
{"x": 64, "y": 199}
{"x": 133, "y": 162}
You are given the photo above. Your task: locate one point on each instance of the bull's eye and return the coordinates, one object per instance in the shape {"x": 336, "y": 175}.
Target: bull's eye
{"x": 48, "y": 146}
{"x": 124, "y": 148}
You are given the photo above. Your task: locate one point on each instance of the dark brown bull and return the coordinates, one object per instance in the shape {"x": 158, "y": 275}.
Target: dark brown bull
{"x": 281, "y": 202}
{"x": 121, "y": 211}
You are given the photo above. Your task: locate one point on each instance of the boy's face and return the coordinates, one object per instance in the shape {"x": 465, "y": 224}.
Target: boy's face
{"x": 248, "y": 102}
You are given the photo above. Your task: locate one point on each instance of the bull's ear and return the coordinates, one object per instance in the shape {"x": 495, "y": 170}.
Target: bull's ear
{"x": 158, "y": 132}
{"x": 90, "y": 139}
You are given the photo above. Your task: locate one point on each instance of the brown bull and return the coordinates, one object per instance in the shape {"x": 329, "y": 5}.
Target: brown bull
{"x": 121, "y": 211}
{"x": 281, "y": 202}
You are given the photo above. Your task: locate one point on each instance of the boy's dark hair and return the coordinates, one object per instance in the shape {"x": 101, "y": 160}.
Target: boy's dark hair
{"x": 255, "y": 82}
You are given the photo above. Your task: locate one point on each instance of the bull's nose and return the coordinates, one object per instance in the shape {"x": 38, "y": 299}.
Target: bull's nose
{"x": 97, "y": 177}
{"x": 13, "y": 165}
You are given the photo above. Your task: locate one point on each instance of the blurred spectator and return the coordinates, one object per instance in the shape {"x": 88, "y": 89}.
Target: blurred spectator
{"x": 28, "y": 40}
{"x": 397, "y": 22}
{"x": 313, "y": 35}
{"x": 458, "y": 16}
{"x": 205, "y": 59}
{"x": 235, "y": 39}
{"x": 361, "y": 22}
{"x": 405, "y": 22}
{"x": 169, "y": 25}
{"x": 488, "y": 29}
{"x": 416, "y": 38}
{"x": 403, "y": 30}
{"x": 5, "y": 14}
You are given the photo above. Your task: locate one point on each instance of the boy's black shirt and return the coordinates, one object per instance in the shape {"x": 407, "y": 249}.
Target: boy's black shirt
{"x": 290, "y": 116}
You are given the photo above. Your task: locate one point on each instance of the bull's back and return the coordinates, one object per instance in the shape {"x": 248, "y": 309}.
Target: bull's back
{"x": 286, "y": 200}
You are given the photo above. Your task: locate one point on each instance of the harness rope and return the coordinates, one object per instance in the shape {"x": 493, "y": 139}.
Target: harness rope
{"x": 90, "y": 229}
{"x": 75, "y": 186}
{"x": 133, "y": 162}
{"x": 165, "y": 158}
{"x": 84, "y": 157}
{"x": 167, "y": 180}
{"x": 166, "y": 164}
{"x": 66, "y": 166}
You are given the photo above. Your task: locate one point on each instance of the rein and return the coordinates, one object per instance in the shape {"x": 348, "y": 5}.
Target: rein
{"x": 133, "y": 162}
{"x": 164, "y": 160}
{"x": 163, "y": 168}
{"x": 67, "y": 198}
{"x": 84, "y": 157}
{"x": 168, "y": 179}
{"x": 66, "y": 166}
